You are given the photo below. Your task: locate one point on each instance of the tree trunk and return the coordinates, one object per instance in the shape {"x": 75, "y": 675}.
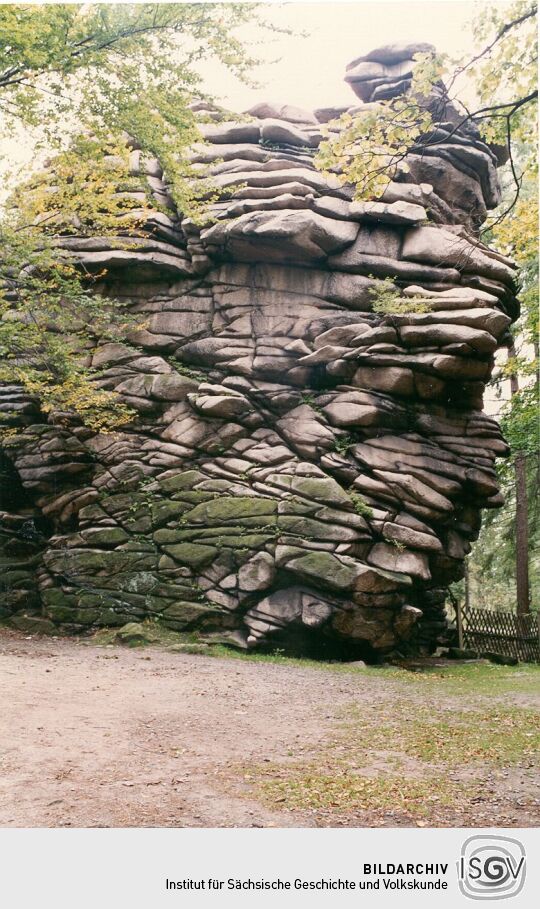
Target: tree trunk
{"x": 522, "y": 514}
{"x": 467, "y": 579}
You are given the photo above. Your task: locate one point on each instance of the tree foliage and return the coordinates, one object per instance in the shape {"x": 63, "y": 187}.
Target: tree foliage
{"x": 504, "y": 71}
{"x": 49, "y": 318}
{"x": 82, "y": 79}
{"x": 368, "y": 148}
{"x": 58, "y": 59}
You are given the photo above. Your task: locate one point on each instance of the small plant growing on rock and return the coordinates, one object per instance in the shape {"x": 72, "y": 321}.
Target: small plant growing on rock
{"x": 360, "y": 505}
{"x": 196, "y": 374}
{"x": 388, "y": 301}
{"x": 343, "y": 443}
{"x": 309, "y": 399}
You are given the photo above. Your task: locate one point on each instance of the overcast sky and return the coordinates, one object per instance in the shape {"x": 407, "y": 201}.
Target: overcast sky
{"x": 308, "y": 69}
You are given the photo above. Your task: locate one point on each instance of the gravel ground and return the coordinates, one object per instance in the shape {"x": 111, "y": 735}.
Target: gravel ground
{"x": 94, "y": 736}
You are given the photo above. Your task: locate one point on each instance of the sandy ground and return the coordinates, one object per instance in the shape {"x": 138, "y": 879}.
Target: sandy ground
{"x": 111, "y": 737}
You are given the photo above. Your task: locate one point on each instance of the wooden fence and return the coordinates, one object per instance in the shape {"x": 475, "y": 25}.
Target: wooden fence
{"x": 499, "y": 632}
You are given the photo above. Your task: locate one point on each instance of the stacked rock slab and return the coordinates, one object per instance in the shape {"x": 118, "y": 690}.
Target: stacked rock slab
{"x": 299, "y": 461}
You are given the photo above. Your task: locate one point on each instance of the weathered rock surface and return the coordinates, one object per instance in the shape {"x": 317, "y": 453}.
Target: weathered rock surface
{"x": 300, "y": 462}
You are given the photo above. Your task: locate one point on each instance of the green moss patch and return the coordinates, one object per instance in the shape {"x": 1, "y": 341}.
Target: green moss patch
{"x": 246, "y": 510}
{"x": 191, "y": 554}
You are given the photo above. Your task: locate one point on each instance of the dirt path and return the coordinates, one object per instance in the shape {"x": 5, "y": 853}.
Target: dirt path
{"x": 94, "y": 736}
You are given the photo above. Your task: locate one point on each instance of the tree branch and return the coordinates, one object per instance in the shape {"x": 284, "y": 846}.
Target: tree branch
{"x": 501, "y": 33}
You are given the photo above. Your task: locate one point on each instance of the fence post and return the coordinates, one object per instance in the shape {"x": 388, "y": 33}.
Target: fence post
{"x": 459, "y": 623}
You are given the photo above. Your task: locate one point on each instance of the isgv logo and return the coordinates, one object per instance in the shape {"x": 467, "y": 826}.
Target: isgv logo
{"x": 491, "y": 867}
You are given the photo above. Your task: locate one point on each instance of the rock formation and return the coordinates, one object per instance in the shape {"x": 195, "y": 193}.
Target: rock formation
{"x": 301, "y": 463}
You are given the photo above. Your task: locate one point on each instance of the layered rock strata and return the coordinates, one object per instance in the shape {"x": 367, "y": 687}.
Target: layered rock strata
{"x": 302, "y": 462}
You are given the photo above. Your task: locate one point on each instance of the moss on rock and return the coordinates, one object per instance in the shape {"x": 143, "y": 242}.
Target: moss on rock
{"x": 191, "y": 554}
{"x": 245, "y": 510}
{"x": 325, "y": 569}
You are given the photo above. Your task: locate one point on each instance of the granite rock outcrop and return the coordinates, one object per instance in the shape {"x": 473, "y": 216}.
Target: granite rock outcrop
{"x": 302, "y": 464}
